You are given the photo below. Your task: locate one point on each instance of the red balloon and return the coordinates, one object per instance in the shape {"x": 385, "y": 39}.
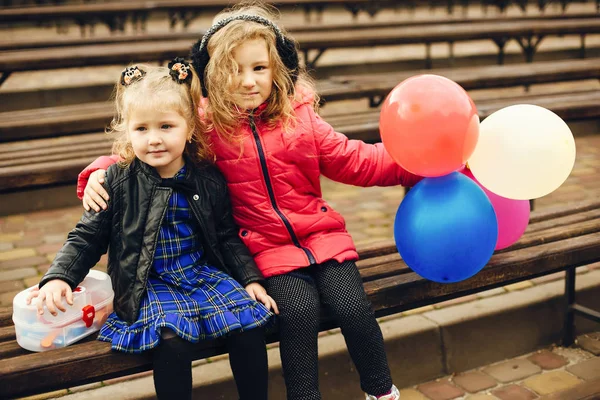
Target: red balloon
{"x": 429, "y": 125}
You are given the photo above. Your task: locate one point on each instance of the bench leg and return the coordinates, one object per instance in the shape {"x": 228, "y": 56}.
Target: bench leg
{"x": 569, "y": 328}
{"x": 500, "y": 43}
{"x": 582, "y": 47}
{"x": 573, "y": 308}
{"x": 428, "y": 62}
{"x": 451, "y": 54}
{"x": 450, "y": 7}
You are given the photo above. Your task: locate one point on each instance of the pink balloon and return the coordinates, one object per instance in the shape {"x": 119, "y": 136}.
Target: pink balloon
{"x": 512, "y": 215}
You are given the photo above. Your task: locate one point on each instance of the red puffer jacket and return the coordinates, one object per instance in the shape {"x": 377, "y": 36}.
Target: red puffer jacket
{"x": 276, "y": 193}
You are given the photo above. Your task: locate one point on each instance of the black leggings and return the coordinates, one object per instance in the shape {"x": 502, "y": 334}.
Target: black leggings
{"x": 247, "y": 357}
{"x": 339, "y": 287}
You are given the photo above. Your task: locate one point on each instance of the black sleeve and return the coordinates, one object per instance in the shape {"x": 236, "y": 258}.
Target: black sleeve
{"x": 236, "y": 255}
{"x": 84, "y": 246}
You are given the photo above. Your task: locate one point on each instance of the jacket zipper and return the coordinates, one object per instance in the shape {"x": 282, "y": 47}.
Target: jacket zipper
{"x": 265, "y": 171}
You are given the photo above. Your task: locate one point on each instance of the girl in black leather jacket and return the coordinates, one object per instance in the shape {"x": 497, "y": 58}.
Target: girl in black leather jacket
{"x": 174, "y": 249}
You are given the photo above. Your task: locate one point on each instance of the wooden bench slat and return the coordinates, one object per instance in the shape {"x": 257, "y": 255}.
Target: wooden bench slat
{"x": 50, "y": 158}
{"x": 564, "y": 220}
{"x": 52, "y": 143}
{"x": 104, "y": 9}
{"x": 7, "y": 332}
{"x": 74, "y": 146}
{"x": 9, "y": 349}
{"x": 445, "y": 33}
{"x": 562, "y": 210}
{"x": 479, "y": 77}
{"x": 64, "y": 171}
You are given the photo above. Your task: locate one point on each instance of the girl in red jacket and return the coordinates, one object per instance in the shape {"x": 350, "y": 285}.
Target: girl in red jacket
{"x": 272, "y": 148}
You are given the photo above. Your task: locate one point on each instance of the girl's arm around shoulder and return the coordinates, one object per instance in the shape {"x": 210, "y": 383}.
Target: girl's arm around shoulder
{"x": 354, "y": 161}
{"x": 84, "y": 246}
{"x": 235, "y": 253}
{"x": 102, "y": 162}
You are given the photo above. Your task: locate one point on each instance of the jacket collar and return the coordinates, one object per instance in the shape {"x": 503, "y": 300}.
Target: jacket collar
{"x": 153, "y": 174}
{"x": 259, "y": 110}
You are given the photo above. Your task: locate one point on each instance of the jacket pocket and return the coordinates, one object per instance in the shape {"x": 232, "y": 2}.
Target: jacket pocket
{"x": 329, "y": 213}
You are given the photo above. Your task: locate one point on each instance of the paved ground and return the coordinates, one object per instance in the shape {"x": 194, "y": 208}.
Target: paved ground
{"x": 526, "y": 377}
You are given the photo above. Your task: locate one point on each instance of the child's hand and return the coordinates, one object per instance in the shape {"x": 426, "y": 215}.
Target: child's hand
{"x": 94, "y": 195}
{"x": 258, "y": 293}
{"x": 52, "y": 293}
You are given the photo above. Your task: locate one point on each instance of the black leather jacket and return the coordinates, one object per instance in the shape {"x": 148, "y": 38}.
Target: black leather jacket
{"x": 130, "y": 225}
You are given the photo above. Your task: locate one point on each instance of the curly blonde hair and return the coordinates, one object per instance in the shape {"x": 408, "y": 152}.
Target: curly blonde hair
{"x": 224, "y": 115}
{"x": 157, "y": 90}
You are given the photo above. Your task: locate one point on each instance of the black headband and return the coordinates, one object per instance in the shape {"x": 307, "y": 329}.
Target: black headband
{"x": 286, "y": 47}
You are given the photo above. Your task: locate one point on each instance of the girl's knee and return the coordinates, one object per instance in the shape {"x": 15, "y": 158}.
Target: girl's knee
{"x": 305, "y": 311}
{"x": 247, "y": 337}
{"x": 350, "y": 306}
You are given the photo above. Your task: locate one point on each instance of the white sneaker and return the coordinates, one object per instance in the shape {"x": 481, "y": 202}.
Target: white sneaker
{"x": 394, "y": 395}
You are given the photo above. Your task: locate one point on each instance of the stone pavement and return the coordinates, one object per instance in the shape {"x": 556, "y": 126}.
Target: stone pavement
{"x": 529, "y": 376}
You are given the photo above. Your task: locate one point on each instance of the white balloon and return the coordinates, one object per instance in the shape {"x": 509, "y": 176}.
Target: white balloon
{"x": 523, "y": 152}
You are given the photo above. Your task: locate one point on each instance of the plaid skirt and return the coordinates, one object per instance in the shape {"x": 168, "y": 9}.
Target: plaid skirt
{"x": 201, "y": 303}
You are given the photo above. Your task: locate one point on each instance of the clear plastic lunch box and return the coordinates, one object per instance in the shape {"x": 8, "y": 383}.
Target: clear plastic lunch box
{"x": 92, "y": 303}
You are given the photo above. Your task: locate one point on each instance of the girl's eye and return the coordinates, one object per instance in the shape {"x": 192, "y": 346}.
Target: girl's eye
{"x": 165, "y": 126}
{"x": 140, "y": 128}
{"x": 260, "y": 68}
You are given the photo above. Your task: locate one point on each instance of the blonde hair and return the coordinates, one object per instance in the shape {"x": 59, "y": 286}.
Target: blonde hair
{"x": 157, "y": 90}
{"x": 221, "y": 68}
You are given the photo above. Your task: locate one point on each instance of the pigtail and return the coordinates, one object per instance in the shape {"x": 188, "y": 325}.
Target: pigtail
{"x": 117, "y": 127}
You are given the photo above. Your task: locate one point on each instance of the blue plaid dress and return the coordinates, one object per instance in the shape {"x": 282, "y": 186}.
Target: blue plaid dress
{"x": 197, "y": 301}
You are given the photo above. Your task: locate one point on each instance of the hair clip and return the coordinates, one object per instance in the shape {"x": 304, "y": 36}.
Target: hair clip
{"x": 180, "y": 70}
{"x": 131, "y": 74}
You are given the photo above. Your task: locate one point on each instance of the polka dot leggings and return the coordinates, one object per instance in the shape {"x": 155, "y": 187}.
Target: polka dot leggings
{"x": 339, "y": 288}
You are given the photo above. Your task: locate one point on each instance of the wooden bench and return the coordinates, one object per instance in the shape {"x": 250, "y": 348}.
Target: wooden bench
{"x": 557, "y": 239}
{"x": 181, "y": 12}
{"x": 91, "y": 117}
{"x": 57, "y": 161}
{"x": 528, "y": 34}
{"x": 27, "y": 43}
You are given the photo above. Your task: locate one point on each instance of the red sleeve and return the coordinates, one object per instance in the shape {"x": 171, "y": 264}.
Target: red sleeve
{"x": 102, "y": 162}
{"x": 356, "y": 162}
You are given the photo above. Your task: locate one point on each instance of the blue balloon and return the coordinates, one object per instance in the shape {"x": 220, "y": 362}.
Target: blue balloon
{"x": 446, "y": 229}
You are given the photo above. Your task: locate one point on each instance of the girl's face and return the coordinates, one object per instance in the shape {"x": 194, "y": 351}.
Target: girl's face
{"x": 253, "y": 84}
{"x": 158, "y": 138}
